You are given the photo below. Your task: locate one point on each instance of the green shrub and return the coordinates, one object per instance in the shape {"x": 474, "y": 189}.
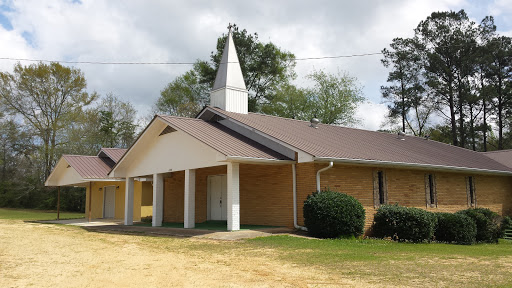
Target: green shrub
{"x": 455, "y": 228}
{"x": 487, "y": 224}
{"x": 404, "y": 223}
{"x": 506, "y": 224}
{"x": 147, "y": 219}
{"x": 330, "y": 214}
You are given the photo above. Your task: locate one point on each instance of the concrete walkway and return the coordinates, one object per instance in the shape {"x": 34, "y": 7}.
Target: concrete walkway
{"x": 115, "y": 226}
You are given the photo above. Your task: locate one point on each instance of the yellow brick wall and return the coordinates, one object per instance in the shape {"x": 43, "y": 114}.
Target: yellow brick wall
{"x": 97, "y": 199}
{"x": 146, "y": 203}
{"x": 174, "y": 188}
{"x": 306, "y": 185}
{"x": 406, "y": 187}
{"x": 266, "y": 195}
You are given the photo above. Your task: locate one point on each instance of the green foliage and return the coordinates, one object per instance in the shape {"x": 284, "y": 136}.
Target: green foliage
{"x": 330, "y": 214}
{"x": 459, "y": 68}
{"x": 404, "y": 223}
{"x": 116, "y": 122}
{"x": 333, "y": 99}
{"x": 406, "y": 93}
{"x": 49, "y": 97}
{"x": 264, "y": 67}
{"x": 49, "y": 113}
{"x": 506, "y": 224}
{"x": 147, "y": 219}
{"x": 184, "y": 96}
{"x": 455, "y": 228}
{"x": 291, "y": 102}
{"x": 488, "y": 228}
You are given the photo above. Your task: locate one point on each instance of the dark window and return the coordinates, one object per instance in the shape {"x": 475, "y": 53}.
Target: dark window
{"x": 471, "y": 191}
{"x": 380, "y": 175}
{"x": 430, "y": 185}
{"x": 379, "y": 188}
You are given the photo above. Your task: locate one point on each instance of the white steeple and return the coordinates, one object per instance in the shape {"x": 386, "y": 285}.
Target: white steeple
{"x": 229, "y": 92}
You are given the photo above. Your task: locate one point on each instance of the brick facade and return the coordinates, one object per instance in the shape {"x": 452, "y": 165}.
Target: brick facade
{"x": 266, "y": 195}
{"x": 408, "y": 188}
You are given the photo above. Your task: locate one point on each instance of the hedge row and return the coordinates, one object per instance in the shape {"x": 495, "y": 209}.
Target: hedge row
{"x": 417, "y": 225}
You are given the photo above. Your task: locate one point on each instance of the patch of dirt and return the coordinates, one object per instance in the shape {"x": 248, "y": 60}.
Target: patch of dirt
{"x": 38, "y": 255}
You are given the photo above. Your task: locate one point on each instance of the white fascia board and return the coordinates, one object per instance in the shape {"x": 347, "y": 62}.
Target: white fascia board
{"x": 410, "y": 165}
{"x": 257, "y": 160}
{"x": 104, "y": 179}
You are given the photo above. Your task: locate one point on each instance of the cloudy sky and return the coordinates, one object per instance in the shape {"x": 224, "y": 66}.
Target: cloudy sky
{"x": 183, "y": 31}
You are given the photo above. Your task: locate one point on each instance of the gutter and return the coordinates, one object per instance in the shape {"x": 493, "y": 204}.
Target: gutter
{"x": 294, "y": 177}
{"x": 412, "y": 165}
{"x": 318, "y": 175}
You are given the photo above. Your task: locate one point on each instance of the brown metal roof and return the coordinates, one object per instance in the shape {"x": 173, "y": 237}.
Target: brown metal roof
{"x": 114, "y": 153}
{"x": 222, "y": 139}
{"x": 502, "y": 156}
{"x": 91, "y": 167}
{"x": 329, "y": 141}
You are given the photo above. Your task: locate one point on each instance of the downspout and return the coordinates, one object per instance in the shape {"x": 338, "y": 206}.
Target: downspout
{"x": 294, "y": 177}
{"x": 318, "y": 176}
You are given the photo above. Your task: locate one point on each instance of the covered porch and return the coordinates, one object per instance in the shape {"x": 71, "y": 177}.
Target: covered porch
{"x": 196, "y": 180}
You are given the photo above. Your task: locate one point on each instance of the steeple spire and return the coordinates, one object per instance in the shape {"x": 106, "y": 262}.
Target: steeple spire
{"x": 229, "y": 91}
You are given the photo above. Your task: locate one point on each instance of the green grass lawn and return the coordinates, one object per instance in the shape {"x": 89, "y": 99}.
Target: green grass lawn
{"x": 480, "y": 265}
{"x": 33, "y": 215}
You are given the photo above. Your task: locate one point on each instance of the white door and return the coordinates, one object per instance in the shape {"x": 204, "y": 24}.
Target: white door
{"x": 217, "y": 197}
{"x": 109, "y": 202}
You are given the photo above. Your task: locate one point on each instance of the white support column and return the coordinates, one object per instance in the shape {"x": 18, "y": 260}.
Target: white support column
{"x": 128, "y": 202}
{"x": 190, "y": 198}
{"x": 158, "y": 199}
{"x": 233, "y": 196}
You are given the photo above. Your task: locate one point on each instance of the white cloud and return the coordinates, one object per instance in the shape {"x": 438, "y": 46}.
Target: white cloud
{"x": 165, "y": 31}
{"x": 372, "y": 115}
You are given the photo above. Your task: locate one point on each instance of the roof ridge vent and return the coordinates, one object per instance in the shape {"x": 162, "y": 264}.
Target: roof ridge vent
{"x": 314, "y": 123}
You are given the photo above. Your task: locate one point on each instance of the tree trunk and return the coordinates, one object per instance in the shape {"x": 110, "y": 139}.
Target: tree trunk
{"x": 500, "y": 114}
{"x": 472, "y": 128}
{"x": 461, "y": 114}
{"x": 453, "y": 123}
{"x": 484, "y": 107}
{"x": 403, "y": 106}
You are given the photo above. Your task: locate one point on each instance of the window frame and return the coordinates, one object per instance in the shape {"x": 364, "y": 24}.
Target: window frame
{"x": 430, "y": 190}
{"x": 380, "y": 182}
{"x": 471, "y": 191}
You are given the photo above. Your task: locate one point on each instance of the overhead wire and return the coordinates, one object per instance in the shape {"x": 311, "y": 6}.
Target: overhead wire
{"x": 192, "y": 63}
{"x": 171, "y": 63}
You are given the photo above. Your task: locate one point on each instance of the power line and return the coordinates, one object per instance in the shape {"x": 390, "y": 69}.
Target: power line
{"x": 192, "y": 63}
{"x": 98, "y": 62}
{"x": 171, "y": 63}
